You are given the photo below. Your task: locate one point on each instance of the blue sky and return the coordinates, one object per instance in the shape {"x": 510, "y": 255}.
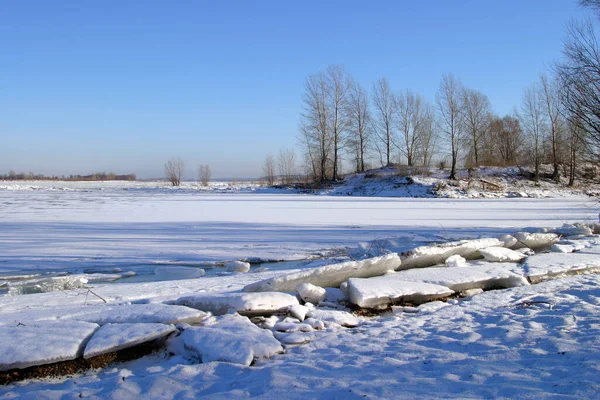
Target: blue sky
{"x": 122, "y": 86}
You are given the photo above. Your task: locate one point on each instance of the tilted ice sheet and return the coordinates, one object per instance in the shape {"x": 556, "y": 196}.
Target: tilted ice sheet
{"x": 244, "y": 303}
{"x": 115, "y": 337}
{"x": 544, "y": 266}
{"x": 106, "y": 314}
{"x": 476, "y": 275}
{"x": 329, "y": 275}
{"x": 42, "y": 342}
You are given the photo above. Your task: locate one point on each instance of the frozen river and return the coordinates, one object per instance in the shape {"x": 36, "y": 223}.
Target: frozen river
{"x": 96, "y": 227}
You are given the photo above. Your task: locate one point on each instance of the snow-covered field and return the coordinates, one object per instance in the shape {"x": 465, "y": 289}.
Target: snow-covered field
{"x": 529, "y": 341}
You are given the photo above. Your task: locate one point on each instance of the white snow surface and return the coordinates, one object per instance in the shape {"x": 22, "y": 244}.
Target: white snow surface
{"x": 329, "y": 275}
{"x": 476, "y": 275}
{"x": 115, "y": 337}
{"x": 311, "y": 293}
{"x": 42, "y": 342}
{"x": 537, "y": 341}
{"x": 549, "y": 265}
{"x": 230, "y": 338}
{"x": 244, "y": 303}
{"x": 386, "y": 289}
{"x": 104, "y": 314}
{"x": 425, "y": 256}
{"x": 535, "y": 240}
{"x": 501, "y": 254}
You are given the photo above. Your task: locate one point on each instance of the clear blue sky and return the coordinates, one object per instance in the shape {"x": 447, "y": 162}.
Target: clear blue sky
{"x": 122, "y": 86}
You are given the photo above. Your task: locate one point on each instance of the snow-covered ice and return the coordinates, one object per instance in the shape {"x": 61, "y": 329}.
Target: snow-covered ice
{"x": 425, "y": 256}
{"x": 477, "y": 275}
{"x": 535, "y": 240}
{"x": 535, "y": 341}
{"x": 543, "y": 266}
{"x": 237, "y": 266}
{"x": 115, "y": 337}
{"x": 243, "y": 303}
{"x": 383, "y": 290}
{"x": 311, "y": 293}
{"x": 42, "y": 342}
{"x": 231, "y": 338}
{"x": 501, "y": 254}
{"x": 329, "y": 275}
{"x": 106, "y": 314}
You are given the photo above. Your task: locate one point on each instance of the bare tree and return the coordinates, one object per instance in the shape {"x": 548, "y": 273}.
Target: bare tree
{"x": 579, "y": 77}
{"x": 174, "y": 170}
{"x": 429, "y": 136}
{"x": 383, "y": 99}
{"x": 531, "y": 116}
{"x": 269, "y": 169}
{"x": 552, "y": 111}
{"x": 204, "y": 174}
{"x": 286, "y": 163}
{"x": 476, "y": 118}
{"x": 575, "y": 137}
{"x": 450, "y": 113}
{"x": 337, "y": 99}
{"x": 359, "y": 122}
{"x": 508, "y": 138}
{"x": 410, "y": 115}
{"x": 315, "y": 134}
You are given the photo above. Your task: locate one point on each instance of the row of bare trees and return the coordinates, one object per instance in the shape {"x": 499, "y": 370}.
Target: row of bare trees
{"x": 557, "y": 121}
{"x": 341, "y": 118}
{"x": 175, "y": 167}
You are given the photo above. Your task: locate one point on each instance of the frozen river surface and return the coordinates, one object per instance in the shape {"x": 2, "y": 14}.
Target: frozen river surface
{"x": 99, "y": 228}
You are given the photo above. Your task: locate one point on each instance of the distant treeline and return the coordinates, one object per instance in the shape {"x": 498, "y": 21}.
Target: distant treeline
{"x": 98, "y": 176}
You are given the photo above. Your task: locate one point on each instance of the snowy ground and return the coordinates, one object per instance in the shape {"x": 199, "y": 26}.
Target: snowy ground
{"x": 535, "y": 341}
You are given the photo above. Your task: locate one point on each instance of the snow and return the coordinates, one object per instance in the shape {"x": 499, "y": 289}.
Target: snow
{"x": 115, "y": 337}
{"x": 230, "y": 338}
{"x": 544, "y": 266}
{"x": 328, "y": 317}
{"x": 243, "y": 303}
{"x": 534, "y": 341}
{"x": 573, "y": 230}
{"x": 237, "y": 266}
{"x": 535, "y": 240}
{"x": 107, "y": 314}
{"x": 501, "y": 254}
{"x": 311, "y": 293}
{"x": 477, "y": 275}
{"x": 425, "y": 256}
{"x": 328, "y": 275}
{"x": 383, "y": 290}
{"x": 455, "y": 261}
{"x": 42, "y": 342}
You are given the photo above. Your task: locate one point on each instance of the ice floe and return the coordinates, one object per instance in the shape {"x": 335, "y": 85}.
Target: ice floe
{"x": 42, "y": 342}
{"x": 243, "y": 303}
{"x": 230, "y": 338}
{"x": 425, "y": 256}
{"x": 329, "y": 275}
{"x": 115, "y": 337}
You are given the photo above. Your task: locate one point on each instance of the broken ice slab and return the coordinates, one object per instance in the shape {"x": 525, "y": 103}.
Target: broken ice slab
{"x": 425, "y": 256}
{"x": 115, "y": 337}
{"x": 230, "y": 338}
{"x": 329, "y": 275}
{"x": 391, "y": 288}
{"x": 43, "y": 342}
{"x": 243, "y": 303}
{"x": 545, "y": 266}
